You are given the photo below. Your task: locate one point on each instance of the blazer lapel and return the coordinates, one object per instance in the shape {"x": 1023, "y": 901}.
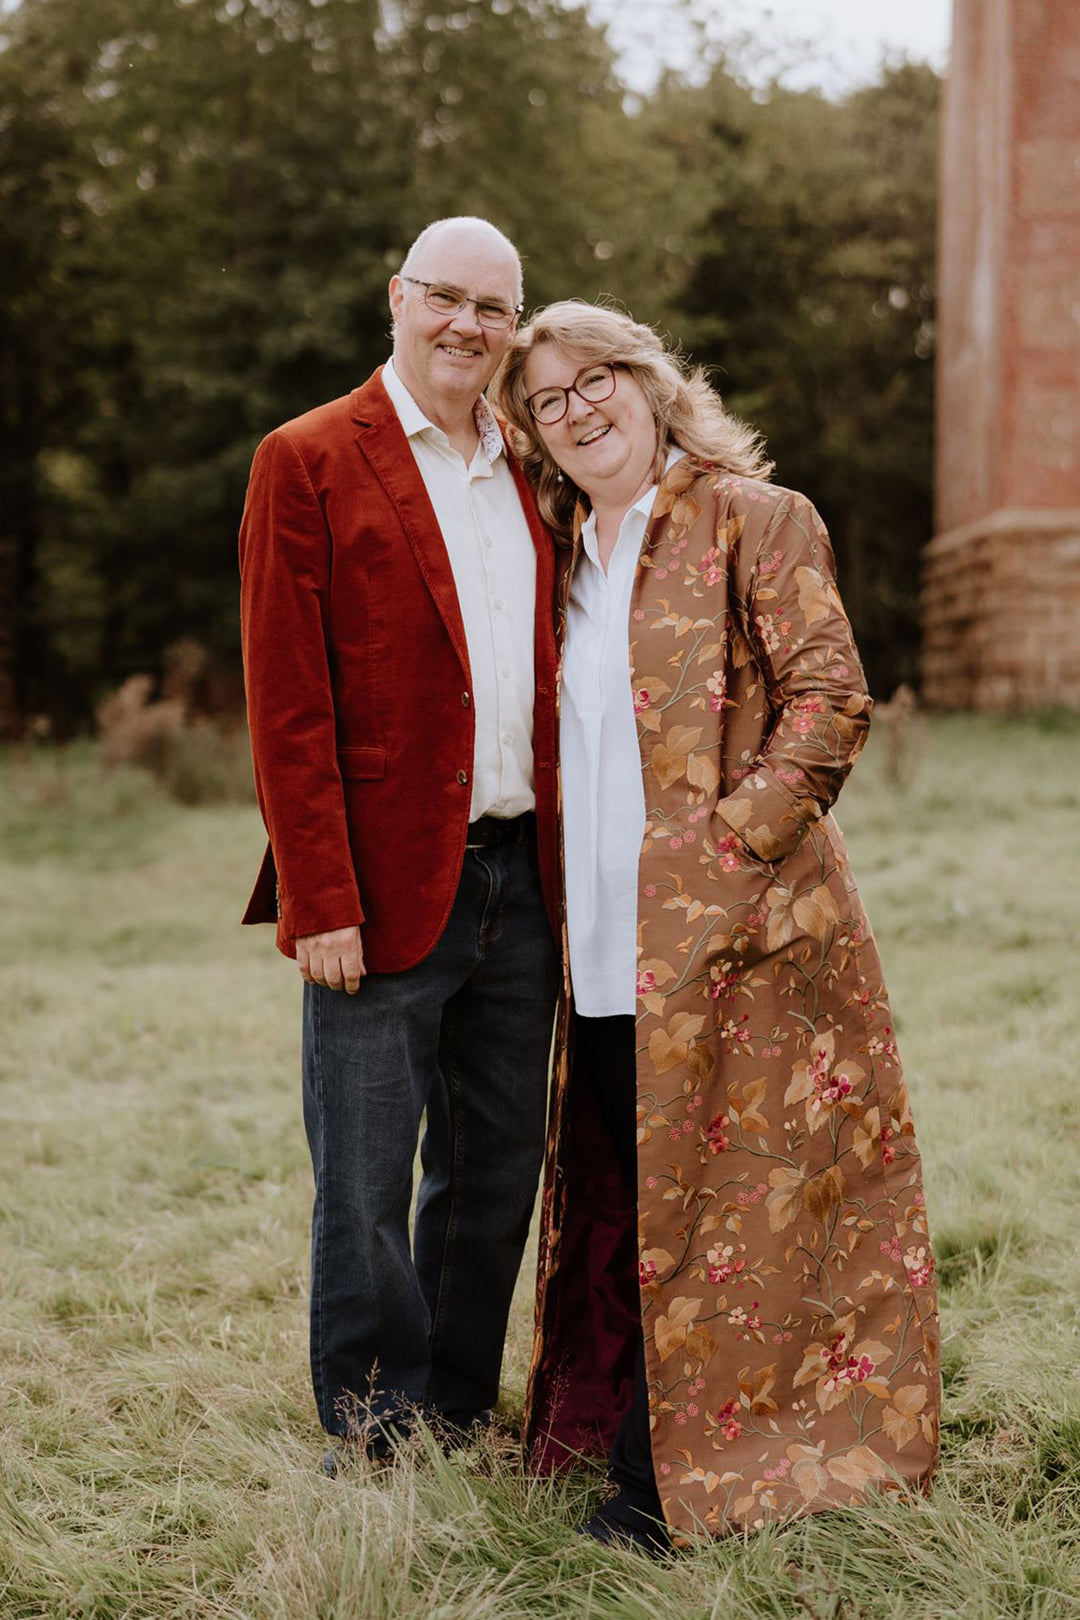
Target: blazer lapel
{"x": 382, "y": 439}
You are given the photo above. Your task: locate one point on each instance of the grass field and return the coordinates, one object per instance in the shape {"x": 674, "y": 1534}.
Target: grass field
{"x": 158, "y": 1445}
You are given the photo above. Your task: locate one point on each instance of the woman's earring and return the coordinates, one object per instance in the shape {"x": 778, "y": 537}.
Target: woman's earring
{"x": 558, "y": 478}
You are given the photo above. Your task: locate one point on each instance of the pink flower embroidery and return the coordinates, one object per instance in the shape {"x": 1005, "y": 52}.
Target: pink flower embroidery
{"x": 829, "y": 1089}
{"x": 920, "y": 1267}
{"x": 845, "y": 1370}
{"x": 723, "y": 1265}
{"x": 724, "y": 977}
{"x": 718, "y": 1142}
{"x": 708, "y": 566}
{"x": 727, "y": 1421}
{"x": 767, "y": 630}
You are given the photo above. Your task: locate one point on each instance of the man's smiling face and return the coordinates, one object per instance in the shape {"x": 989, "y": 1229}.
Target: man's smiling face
{"x": 446, "y": 361}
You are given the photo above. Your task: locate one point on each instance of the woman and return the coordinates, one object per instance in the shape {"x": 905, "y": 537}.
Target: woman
{"x": 764, "y": 1343}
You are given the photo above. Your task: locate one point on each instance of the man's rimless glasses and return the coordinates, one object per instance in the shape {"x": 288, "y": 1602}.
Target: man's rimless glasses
{"x": 451, "y": 301}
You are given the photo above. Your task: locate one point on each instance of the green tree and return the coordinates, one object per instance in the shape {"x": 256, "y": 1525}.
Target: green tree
{"x": 518, "y": 115}
{"x": 813, "y": 297}
{"x": 237, "y": 170}
{"x": 201, "y": 202}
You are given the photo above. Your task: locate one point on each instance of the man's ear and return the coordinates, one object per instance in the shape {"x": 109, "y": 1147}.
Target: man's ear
{"x": 396, "y": 292}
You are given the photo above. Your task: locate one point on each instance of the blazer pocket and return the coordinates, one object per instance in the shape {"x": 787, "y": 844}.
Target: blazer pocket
{"x": 361, "y": 764}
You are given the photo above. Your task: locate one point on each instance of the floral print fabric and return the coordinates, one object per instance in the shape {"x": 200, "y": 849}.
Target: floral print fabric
{"x": 786, "y": 1278}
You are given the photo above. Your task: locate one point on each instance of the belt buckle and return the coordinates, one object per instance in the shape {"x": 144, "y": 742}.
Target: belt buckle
{"x": 490, "y": 834}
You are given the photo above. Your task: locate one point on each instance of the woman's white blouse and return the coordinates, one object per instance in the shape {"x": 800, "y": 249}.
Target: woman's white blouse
{"x": 603, "y": 795}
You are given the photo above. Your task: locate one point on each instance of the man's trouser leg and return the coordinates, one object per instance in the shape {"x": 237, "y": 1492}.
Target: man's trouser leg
{"x": 484, "y": 1141}
{"x": 372, "y": 1063}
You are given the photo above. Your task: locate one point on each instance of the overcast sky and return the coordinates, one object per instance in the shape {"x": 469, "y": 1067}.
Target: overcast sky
{"x": 830, "y": 44}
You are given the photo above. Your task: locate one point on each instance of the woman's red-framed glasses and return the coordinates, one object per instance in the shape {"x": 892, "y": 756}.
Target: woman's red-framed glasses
{"x": 592, "y": 384}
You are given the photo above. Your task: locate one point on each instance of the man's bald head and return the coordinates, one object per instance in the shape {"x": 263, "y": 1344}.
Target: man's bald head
{"x": 464, "y": 228}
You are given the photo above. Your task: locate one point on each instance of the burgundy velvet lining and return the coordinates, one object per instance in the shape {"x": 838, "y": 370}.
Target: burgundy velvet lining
{"x": 585, "y": 1381}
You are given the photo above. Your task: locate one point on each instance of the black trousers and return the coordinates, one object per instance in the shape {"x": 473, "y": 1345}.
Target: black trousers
{"x": 604, "y": 1053}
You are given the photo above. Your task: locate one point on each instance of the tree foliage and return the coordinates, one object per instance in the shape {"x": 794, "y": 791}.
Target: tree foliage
{"x": 813, "y": 296}
{"x": 201, "y": 202}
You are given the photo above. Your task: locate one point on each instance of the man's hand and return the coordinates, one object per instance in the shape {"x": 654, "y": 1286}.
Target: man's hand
{"x": 335, "y": 959}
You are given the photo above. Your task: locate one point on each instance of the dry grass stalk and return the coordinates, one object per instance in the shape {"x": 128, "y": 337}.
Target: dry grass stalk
{"x": 903, "y": 727}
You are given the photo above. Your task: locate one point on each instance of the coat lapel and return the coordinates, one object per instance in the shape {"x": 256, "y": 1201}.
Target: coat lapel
{"x": 382, "y": 440}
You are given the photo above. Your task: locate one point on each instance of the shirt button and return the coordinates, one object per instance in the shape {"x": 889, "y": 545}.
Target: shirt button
{"x": 498, "y": 604}
{"x": 507, "y": 737}
{"x": 463, "y": 777}
{"x": 465, "y": 700}
{"x": 487, "y": 539}
{"x": 506, "y": 672}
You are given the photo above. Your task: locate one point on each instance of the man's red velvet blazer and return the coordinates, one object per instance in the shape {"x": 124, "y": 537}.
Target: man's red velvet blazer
{"x": 358, "y": 685}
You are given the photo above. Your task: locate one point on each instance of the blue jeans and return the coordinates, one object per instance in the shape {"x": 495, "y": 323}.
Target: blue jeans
{"x": 466, "y": 1035}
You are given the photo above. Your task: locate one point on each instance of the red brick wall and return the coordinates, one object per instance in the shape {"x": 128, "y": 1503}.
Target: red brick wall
{"x": 1002, "y": 579}
{"x": 1001, "y": 615}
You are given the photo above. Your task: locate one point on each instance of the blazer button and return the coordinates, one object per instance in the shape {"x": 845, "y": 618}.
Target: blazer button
{"x": 463, "y": 777}
{"x": 465, "y": 700}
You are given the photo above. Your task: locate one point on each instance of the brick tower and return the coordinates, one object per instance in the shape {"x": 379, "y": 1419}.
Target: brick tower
{"x": 1001, "y": 595}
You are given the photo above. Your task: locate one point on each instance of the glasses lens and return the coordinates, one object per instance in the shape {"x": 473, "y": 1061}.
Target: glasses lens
{"x": 494, "y": 314}
{"x": 596, "y": 383}
{"x": 549, "y": 406}
{"x": 443, "y": 299}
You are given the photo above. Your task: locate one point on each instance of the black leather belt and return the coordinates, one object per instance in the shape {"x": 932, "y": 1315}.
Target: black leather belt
{"x": 489, "y": 831}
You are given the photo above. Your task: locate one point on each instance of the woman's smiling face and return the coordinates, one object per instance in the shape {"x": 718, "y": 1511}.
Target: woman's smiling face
{"x": 607, "y": 448}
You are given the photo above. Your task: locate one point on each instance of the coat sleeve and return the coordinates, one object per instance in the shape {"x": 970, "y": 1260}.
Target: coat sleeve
{"x": 285, "y": 554}
{"x": 803, "y": 647}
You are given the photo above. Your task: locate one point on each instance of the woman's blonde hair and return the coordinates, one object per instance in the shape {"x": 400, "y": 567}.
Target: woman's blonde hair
{"x": 686, "y": 408}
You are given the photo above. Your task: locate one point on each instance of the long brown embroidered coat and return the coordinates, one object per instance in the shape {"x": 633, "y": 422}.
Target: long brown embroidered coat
{"x": 785, "y": 1278}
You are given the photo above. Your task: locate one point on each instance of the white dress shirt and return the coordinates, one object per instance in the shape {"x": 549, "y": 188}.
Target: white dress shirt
{"x": 603, "y": 792}
{"x": 494, "y": 566}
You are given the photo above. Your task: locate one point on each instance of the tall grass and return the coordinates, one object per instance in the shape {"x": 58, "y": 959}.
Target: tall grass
{"x": 158, "y": 1445}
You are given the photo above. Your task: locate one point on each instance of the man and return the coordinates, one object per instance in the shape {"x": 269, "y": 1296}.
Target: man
{"x": 400, "y": 659}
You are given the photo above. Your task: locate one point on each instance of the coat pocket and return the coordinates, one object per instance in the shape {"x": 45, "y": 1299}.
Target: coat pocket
{"x": 361, "y": 764}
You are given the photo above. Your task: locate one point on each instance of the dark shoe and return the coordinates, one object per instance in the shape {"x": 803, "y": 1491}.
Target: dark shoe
{"x": 378, "y": 1445}
{"x": 619, "y": 1523}
{"x": 455, "y": 1431}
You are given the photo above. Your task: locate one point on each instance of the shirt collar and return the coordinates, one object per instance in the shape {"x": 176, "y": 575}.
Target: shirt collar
{"x": 644, "y": 503}
{"x": 415, "y": 422}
